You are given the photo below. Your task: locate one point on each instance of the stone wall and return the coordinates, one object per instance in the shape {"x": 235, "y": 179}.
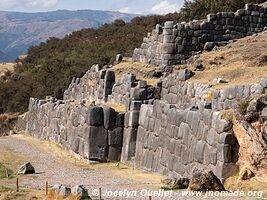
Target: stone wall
{"x": 168, "y": 128}
{"x": 180, "y": 142}
{"x": 92, "y": 132}
{"x": 172, "y": 43}
{"x": 183, "y": 93}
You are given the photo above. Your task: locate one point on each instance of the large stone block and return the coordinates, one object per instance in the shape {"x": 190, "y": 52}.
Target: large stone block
{"x": 129, "y": 144}
{"x": 134, "y": 118}
{"x": 95, "y": 116}
{"x": 138, "y": 93}
{"x": 96, "y": 143}
{"x": 114, "y": 154}
{"x": 199, "y": 151}
{"x": 115, "y": 137}
{"x": 109, "y": 117}
{"x": 120, "y": 120}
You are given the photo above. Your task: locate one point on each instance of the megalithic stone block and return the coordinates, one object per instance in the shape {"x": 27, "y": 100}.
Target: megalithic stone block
{"x": 109, "y": 117}
{"x": 96, "y": 144}
{"x": 114, "y": 154}
{"x": 95, "y": 116}
{"x": 115, "y": 137}
{"x": 129, "y": 144}
{"x": 120, "y": 120}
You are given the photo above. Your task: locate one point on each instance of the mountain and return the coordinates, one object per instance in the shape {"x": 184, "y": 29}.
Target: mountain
{"x": 19, "y": 31}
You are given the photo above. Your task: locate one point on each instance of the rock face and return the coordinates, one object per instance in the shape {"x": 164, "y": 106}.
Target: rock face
{"x": 252, "y": 139}
{"x": 172, "y": 43}
{"x": 27, "y": 168}
{"x": 205, "y": 182}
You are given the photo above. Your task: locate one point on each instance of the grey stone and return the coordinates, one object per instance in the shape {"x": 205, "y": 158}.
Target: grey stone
{"x": 119, "y": 120}
{"x": 97, "y": 143}
{"x": 26, "y": 168}
{"x": 168, "y": 24}
{"x": 62, "y": 190}
{"x": 114, "y": 154}
{"x": 199, "y": 151}
{"x": 134, "y": 118}
{"x": 95, "y": 116}
{"x": 209, "y": 46}
{"x": 80, "y": 190}
{"x": 135, "y": 105}
{"x": 119, "y": 58}
{"x": 185, "y": 74}
{"x": 139, "y": 93}
{"x": 224, "y": 153}
{"x": 109, "y": 117}
{"x": 142, "y": 84}
{"x": 115, "y": 137}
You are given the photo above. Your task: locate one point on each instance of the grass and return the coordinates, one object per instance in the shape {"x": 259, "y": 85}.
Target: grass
{"x": 242, "y": 62}
{"x": 5, "y": 172}
{"x": 227, "y": 114}
{"x": 254, "y": 184}
{"x": 53, "y": 196}
{"x": 134, "y": 68}
{"x": 9, "y": 193}
{"x": 116, "y": 107}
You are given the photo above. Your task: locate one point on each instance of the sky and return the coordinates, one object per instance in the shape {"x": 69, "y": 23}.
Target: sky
{"x": 128, "y": 6}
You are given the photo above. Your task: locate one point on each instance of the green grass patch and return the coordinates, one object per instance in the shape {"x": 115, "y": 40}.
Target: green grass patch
{"x": 5, "y": 172}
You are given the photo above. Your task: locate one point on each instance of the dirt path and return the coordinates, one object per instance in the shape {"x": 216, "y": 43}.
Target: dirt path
{"x": 54, "y": 165}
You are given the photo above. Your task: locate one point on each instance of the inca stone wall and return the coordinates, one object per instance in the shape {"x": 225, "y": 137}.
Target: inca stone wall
{"x": 173, "y": 43}
{"x": 171, "y": 128}
{"x": 185, "y": 94}
{"x": 179, "y": 142}
{"x": 92, "y": 132}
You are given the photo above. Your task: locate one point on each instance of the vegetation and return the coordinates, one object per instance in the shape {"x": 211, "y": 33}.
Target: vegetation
{"x": 243, "y": 105}
{"x": 49, "y": 67}
{"x": 5, "y": 172}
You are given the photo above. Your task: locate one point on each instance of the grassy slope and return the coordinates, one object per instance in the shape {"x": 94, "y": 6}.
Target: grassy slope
{"x": 241, "y": 62}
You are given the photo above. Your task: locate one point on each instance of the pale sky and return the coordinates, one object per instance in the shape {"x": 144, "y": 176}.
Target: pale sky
{"x": 129, "y": 6}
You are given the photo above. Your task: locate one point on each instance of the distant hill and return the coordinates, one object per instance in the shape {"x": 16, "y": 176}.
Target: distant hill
{"x": 19, "y": 31}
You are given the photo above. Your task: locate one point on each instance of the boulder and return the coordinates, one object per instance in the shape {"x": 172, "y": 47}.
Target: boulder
{"x": 175, "y": 183}
{"x": 219, "y": 80}
{"x": 119, "y": 58}
{"x": 205, "y": 181}
{"x": 199, "y": 67}
{"x": 61, "y": 190}
{"x": 80, "y": 190}
{"x": 185, "y": 74}
{"x": 27, "y": 168}
{"x": 209, "y": 46}
{"x": 246, "y": 174}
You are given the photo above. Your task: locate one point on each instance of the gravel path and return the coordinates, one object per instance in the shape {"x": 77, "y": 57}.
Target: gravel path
{"x": 54, "y": 168}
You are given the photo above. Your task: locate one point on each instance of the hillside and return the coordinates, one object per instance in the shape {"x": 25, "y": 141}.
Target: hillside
{"x": 50, "y": 66}
{"x": 19, "y": 31}
{"x": 241, "y": 62}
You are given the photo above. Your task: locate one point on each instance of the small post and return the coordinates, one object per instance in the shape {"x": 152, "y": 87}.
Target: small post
{"x": 6, "y": 172}
{"x": 46, "y": 188}
{"x": 17, "y": 184}
{"x": 150, "y": 198}
{"x": 100, "y": 195}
